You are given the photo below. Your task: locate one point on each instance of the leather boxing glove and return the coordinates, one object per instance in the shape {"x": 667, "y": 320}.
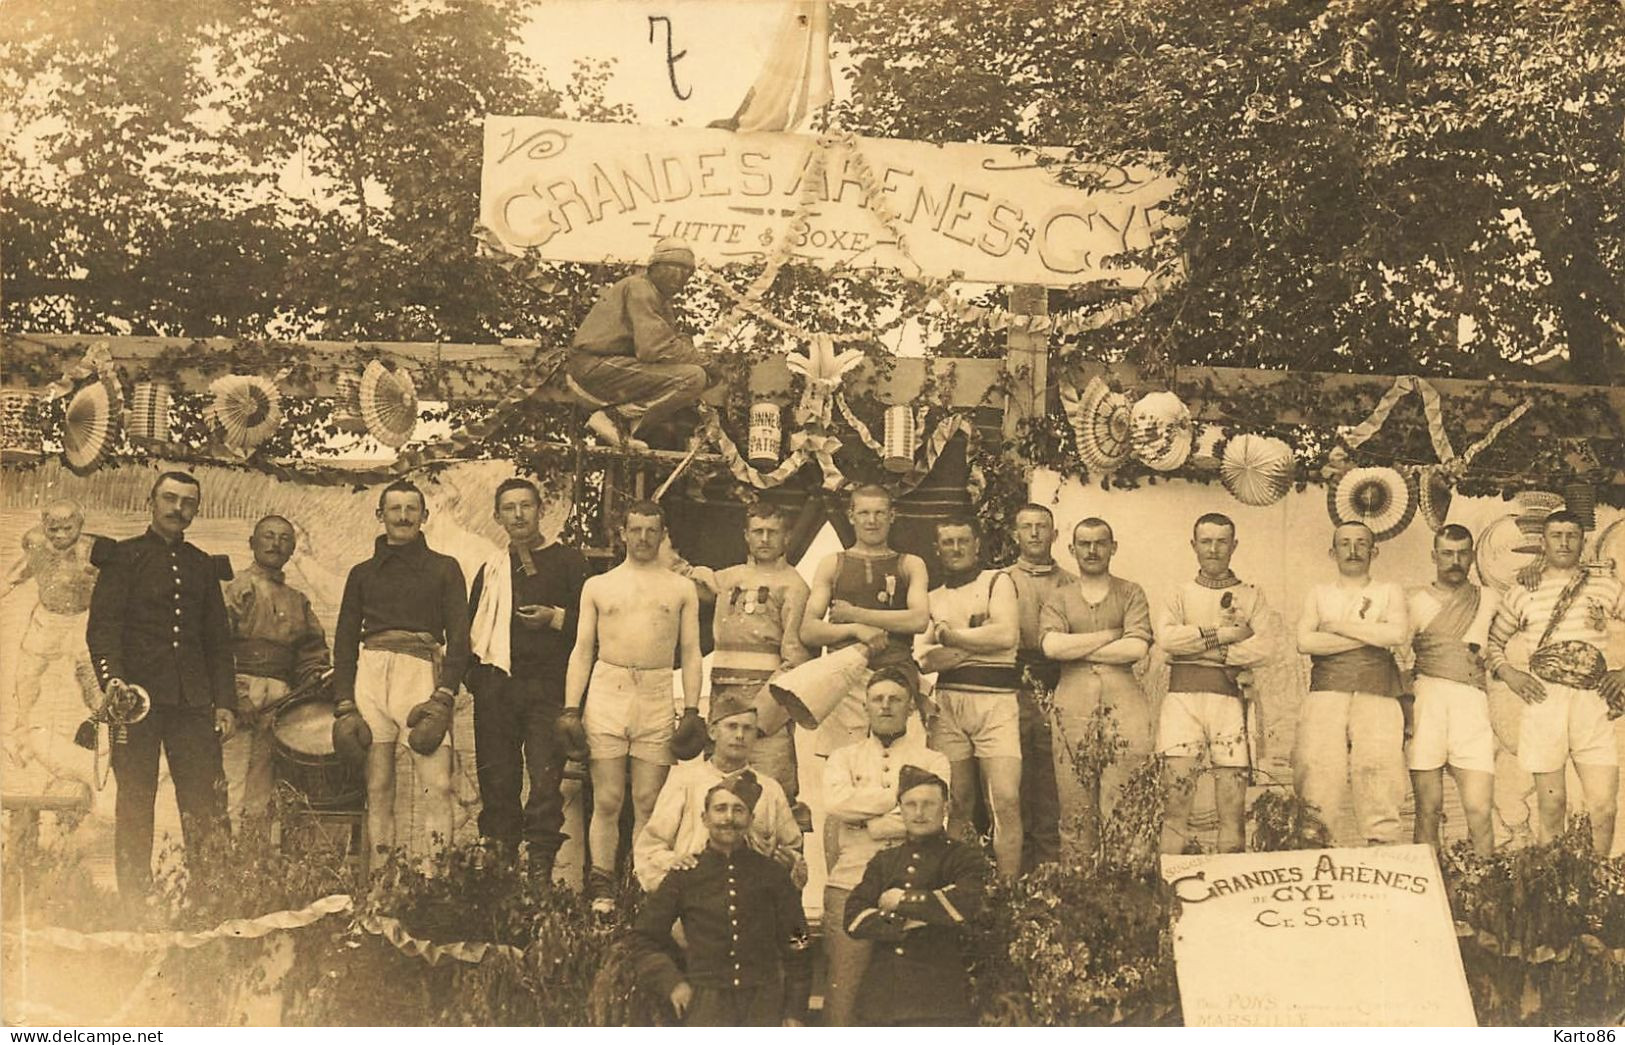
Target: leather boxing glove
{"x": 571, "y": 735}
{"x": 429, "y": 722}
{"x": 689, "y": 738}
{"x": 351, "y": 735}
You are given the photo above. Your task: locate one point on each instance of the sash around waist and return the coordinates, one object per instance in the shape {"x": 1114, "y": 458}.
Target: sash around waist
{"x": 999, "y": 678}
{"x": 419, "y": 644}
{"x": 1368, "y": 669}
{"x": 1449, "y": 659}
{"x": 1185, "y": 677}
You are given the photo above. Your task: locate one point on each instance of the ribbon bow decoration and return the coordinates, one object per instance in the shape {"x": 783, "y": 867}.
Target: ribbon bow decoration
{"x": 823, "y": 368}
{"x": 822, "y": 448}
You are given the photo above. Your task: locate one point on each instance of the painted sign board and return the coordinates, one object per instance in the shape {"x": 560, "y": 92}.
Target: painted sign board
{"x": 1331, "y": 937}
{"x": 592, "y": 192}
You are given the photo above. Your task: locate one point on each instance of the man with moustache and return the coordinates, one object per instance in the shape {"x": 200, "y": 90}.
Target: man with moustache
{"x": 676, "y": 832}
{"x": 756, "y": 632}
{"x": 970, "y": 646}
{"x": 1211, "y": 630}
{"x": 157, "y": 620}
{"x": 860, "y": 800}
{"x": 618, "y": 706}
{"x": 748, "y": 961}
{"x": 400, "y": 651}
{"x": 1351, "y": 726}
{"x": 912, "y": 904}
{"x": 1570, "y": 696}
{"x": 279, "y": 646}
{"x": 869, "y": 594}
{"x": 1097, "y": 629}
{"x": 525, "y": 603}
{"x": 1451, "y": 620}
{"x": 1037, "y": 577}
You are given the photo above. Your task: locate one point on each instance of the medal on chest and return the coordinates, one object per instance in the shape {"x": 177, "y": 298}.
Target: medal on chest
{"x": 1597, "y": 615}
{"x": 890, "y": 593}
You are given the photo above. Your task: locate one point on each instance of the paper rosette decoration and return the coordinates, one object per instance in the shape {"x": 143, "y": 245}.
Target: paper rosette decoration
{"x": 1433, "y": 496}
{"x": 1379, "y": 497}
{"x": 90, "y": 423}
{"x": 1102, "y": 420}
{"x": 389, "y": 403}
{"x": 1256, "y": 469}
{"x": 21, "y": 440}
{"x": 1501, "y": 551}
{"x": 1161, "y": 431}
{"x": 149, "y": 410}
{"x": 246, "y": 411}
{"x": 347, "y": 404}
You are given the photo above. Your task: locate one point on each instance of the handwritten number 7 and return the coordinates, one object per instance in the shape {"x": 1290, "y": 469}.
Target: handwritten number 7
{"x": 671, "y": 58}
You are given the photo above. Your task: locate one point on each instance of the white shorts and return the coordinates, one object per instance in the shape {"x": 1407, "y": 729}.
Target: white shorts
{"x": 1451, "y": 727}
{"x": 1195, "y": 724}
{"x": 630, "y": 711}
{"x": 388, "y": 686}
{"x": 976, "y": 724}
{"x": 1569, "y": 724}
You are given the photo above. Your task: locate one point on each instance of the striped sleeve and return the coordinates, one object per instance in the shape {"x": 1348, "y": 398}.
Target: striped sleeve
{"x": 1507, "y": 623}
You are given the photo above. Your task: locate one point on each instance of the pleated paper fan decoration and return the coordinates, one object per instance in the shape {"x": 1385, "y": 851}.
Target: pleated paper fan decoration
{"x": 149, "y": 410}
{"x": 90, "y": 423}
{"x": 1102, "y": 420}
{"x": 1257, "y": 469}
{"x": 247, "y": 410}
{"x": 347, "y": 404}
{"x": 1161, "y": 431}
{"x": 1433, "y": 496}
{"x": 389, "y": 403}
{"x": 1379, "y": 497}
{"x": 21, "y": 439}
{"x": 1610, "y": 547}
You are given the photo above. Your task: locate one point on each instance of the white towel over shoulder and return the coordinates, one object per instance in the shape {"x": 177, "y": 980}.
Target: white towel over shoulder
{"x": 489, "y": 634}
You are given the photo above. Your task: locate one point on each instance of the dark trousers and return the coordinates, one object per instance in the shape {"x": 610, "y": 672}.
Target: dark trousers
{"x": 513, "y": 735}
{"x": 193, "y": 751}
{"x": 761, "y": 1006}
{"x": 1040, "y": 801}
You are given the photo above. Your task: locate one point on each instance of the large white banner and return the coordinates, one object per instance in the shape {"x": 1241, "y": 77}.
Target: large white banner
{"x": 983, "y": 213}
{"x": 1330, "y": 937}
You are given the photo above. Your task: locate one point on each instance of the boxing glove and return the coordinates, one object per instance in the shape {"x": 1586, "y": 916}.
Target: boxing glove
{"x": 351, "y": 736}
{"x": 688, "y": 740}
{"x": 429, "y": 722}
{"x": 571, "y": 735}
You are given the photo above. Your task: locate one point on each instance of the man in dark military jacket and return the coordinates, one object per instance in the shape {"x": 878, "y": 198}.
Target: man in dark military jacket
{"x": 158, "y": 621}
{"x": 747, "y": 935}
{"x": 913, "y": 903}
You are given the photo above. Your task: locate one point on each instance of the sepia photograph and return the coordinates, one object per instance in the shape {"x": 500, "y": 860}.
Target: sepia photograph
{"x": 811, "y": 513}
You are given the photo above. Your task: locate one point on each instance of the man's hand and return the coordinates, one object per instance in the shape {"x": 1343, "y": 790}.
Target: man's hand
{"x": 1234, "y": 633}
{"x": 535, "y": 617}
{"x": 1612, "y": 688}
{"x": 1524, "y": 685}
{"x": 871, "y": 636}
{"x": 942, "y": 658}
{"x": 686, "y": 863}
{"x": 225, "y": 723}
{"x": 840, "y": 612}
{"x": 681, "y": 996}
{"x": 890, "y": 899}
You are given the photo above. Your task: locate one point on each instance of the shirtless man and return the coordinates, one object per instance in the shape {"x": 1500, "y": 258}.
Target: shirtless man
{"x": 632, "y": 618}
{"x": 869, "y": 594}
{"x": 1351, "y": 725}
{"x": 56, "y": 554}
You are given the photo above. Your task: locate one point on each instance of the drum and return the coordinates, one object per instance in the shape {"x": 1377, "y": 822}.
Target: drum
{"x": 303, "y": 756}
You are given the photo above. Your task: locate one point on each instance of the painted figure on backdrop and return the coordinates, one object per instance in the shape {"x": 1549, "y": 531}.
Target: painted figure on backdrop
{"x": 1549, "y": 646}
{"x": 1450, "y": 620}
{"x": 618, "y": 701}
{"x": 970, "y": 646}
{"x": 748, "y": 961}
{"x": 912, "y": 905}
{"x": 158, "y": 621}
{"x": 629, "y": 360}
{"x": 675, "y": 832}
{"x": 1213, "y": 629}
{"x": 860, "y": 800}
{"x": 57, "y": 557}
{"x": 400, "y": 652}
{"x": 1351, "y": 728}
{"x": 524, "y": 605}
{"x": 279, "y": 647}
{"x": 1098, "y": 629}
{"x": 1037, "y": 577}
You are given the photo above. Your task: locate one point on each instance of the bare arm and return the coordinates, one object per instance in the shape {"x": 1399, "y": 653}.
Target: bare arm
{"x": 815, "y": 630}
{"x": 909, "y": 621}
{"x": 20, "y": 571}
{"x": 791, "y": 650}
{"x": 579, "y": 669}
{"x": 688, "y": 644}
{"x": 1000, "y": 632}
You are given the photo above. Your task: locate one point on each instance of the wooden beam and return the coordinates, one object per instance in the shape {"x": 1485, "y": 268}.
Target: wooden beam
{"x": 1026, "y": 360}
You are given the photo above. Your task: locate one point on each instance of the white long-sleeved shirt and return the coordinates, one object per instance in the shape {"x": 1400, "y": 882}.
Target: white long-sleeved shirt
{"x": 860, "y": 794}
{"x": 676, "y": 829}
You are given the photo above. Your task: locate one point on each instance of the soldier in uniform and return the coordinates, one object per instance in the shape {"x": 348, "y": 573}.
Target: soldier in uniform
{"x": 278, "y": 645}
{"x": 158, "y": 621}
{"x": 912, "y": 903}
{"x": 741, "y": 916}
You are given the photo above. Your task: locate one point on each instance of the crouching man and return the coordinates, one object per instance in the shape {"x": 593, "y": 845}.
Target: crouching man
{"x": 747, "y": 936}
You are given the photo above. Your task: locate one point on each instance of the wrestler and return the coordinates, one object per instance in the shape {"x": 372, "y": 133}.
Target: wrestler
{"x": 971, "y": 648}
{"x": 1451, "y": 619}
{"x": 1098, "y": 629}
{"x": 1211, "y": 630}
{"x": 1570, "y": 697}
{"x": 633, "y": 619}
{"x": 1351, "y": 726}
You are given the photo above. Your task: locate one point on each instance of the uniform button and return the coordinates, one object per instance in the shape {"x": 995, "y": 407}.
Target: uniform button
{"x": 177, "y": 611}
{"x": 176, "y": 645}
{"x": 909, "y": 871}
{"x": 177, "y": 629}
{"x": 899, "y": 950}
{"x": 736, "y": 982}
{"x": 177, "y": 582}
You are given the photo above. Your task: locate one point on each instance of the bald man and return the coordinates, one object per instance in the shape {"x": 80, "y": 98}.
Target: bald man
{"x": 1351, "y": 726}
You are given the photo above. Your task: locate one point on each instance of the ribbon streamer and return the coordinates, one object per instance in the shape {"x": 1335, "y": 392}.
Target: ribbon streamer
{"x": 1354, "y": 435}
{"x": 462, "y": 950}
{"x": 235, "y": 928}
